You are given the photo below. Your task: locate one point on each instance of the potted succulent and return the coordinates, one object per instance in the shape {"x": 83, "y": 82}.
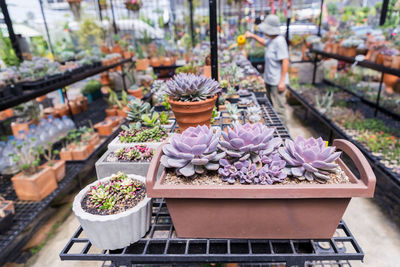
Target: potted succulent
{"x": 114, "y": 212}
{"x": 137, "y": 108}
{"x": 232, "y": 95}
{"x": 91, "y": 90}
{"x": 112, "y": 102}
{"x": 247, "y": 184}
{"x": 56, "y": 166}
{"x": 192, "y": 99}
{"x": 232, "y": 114}
{"x": 254, "y": 114}
{"x": 136, "y": 135}
{"x": 133, "y": 5}
{"x": 129, "y": 160}
{"x": 142, "y": 63}
{"x": 350, "y": 46}
{"x": 104, "y": 128}
{"x": 31, "y": 183}
{"x": 27, "y": 114}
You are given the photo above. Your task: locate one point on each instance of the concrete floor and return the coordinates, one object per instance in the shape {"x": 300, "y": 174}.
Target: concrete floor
{"x": 377, "y": 236}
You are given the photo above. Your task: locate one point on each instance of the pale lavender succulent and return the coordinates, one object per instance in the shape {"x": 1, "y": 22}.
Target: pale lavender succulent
{"x": 244, "y": 171}
{"x": 272, "y": 171}
{"x": 309, "y": 158}
{"x": 245, "y": 142}
{"x": 193, "y": 151}
{"x": 230, "y": 172}
{"x": 189, "y": 87}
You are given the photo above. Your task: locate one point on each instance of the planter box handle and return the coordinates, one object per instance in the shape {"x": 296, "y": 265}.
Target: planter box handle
{"x": 153, "y": 168}
{"x": 367, "y": 175}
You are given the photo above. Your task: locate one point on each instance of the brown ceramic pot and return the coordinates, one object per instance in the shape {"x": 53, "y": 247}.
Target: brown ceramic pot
{"x": 9, "y": 112}
{"x": 58, "y": 168}
{"x": 301, "y": 211}
{"x": 35, "y": 187}
{"x": 168, "y": 61}
{"x": 387, "y": 61}
{"x": 111, "y": 112}
{"x": 20, "y": 126}
{"x": 65, "y": 154}
{"x": 104, "y": 128}
{"x": 105, "y": 78}
{"x": 81, "y": 152}
{"x": 94, "y": 139}
{"x": 155, "y": 62}
{"x": 189, "y": 114}
{"x": 75, "y": 107}
{"x": 138, "y": 93}
{"x": 142, "y": 64}
{"x": 390, "y": 82}
{"x": 349, "y": 51}
{"x": 41, "y": 98}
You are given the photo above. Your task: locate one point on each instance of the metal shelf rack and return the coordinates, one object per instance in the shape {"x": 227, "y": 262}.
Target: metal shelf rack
{"x": 161, "y": 246}
{"x": 31, "y": 94}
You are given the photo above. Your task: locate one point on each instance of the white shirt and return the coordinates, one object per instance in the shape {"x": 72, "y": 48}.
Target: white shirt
{"x": 275, "y": 51}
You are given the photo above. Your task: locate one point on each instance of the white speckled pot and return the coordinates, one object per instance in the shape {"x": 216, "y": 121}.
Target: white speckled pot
{"x": 117, "y": 230}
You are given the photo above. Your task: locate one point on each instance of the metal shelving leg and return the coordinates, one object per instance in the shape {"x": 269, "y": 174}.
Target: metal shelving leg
{"x": 378, "y": 98}
{"x": 315, "y": 69}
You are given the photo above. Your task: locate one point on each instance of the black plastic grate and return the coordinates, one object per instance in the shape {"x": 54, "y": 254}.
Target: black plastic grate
{"x": 161, "y": 245}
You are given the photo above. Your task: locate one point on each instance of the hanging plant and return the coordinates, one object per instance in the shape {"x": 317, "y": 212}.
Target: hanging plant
{"x": 75, "y": 6}
{"x": 133, "y": 5}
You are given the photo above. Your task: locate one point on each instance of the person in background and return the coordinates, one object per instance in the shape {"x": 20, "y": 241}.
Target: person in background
{"x": 276, "y": 62}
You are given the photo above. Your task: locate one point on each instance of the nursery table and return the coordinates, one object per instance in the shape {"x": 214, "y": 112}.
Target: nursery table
{"x": 161, "y": 246}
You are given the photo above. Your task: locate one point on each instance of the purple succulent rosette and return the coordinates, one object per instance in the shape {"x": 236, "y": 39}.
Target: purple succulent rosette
{"x": 244, "y": 171}
{"x": 309, "y": 158}
{"x": 193, "y": 151}
{"x": 272, "y": 171}
{"x": 244, "y": 142}
{"x": 190, "y": 87}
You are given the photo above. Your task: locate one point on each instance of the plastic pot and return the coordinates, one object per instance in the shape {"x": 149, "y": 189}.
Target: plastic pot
{"x": 301, "y": 211}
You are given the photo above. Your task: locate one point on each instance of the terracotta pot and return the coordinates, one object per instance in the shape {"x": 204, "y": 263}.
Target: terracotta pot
{"x": 65, "y": 154}
{"x": 40, "y": 98}
{"x": 192, "y": 113}
{"x": 138, "y": 93}
{"x": 127, "y": 54}
{"x": 301, "y": 211}
{"x": 155, "y": 62}
{"x": 379, "y": 58}
{"x": 58, "y": 168}
{"x": 90, "y": 148}
{"x": 142, "y": 64}
{"x": 117, "y": 49}
{"x": 387, "y": 61}
{"x": 349, "y": 51}
{"x": 16, "y": 127}
{"x": 168, "y": 61}
{"x": 35, "y": 187}
{"x": 396, "y": 62}
{"x": 62, "y": 110}
{"x": 105, "y": 78}
{"x": 390, "y": 82}
{"x": 9, "y": 112}
{"x": 207, "y": 71}
{"x": 122, "y": 113}
{"x": 94, "y": 139}
{"x": 341, "y": 50}
{"x": 81, "y": 152}
{"x": 75, "y": 107}
{"x": 111, "y": 112}
{"x": 335, "y": 48}
{"x": 328, "y": 47}
{"x": 114, "y": 121}
{"x": 104, "y": 128}
{"x": 294, "y": 72}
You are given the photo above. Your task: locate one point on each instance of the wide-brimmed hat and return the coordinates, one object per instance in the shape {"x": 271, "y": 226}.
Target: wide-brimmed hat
{"x": 270, "y": 25}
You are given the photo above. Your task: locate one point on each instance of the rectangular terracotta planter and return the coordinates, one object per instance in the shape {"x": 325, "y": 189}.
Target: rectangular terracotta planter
{"x": 65, "y": 154}
{"x": 300, "y": 211}
{"x": 35, "y": 187}
{"x": 58, "y": 168}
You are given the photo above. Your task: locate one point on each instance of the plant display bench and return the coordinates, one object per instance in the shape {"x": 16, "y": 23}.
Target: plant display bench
{"x": 161, "y": 246}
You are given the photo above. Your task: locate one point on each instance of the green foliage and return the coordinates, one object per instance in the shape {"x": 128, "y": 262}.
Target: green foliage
{"x": 89, "y": 34}
{"x": 91, "y": 87}
{"x": 7, "y": 53}
{"x": 27, "y": 157}
{"x": 152, "y": 120}
{"x": 166, "y": 103}
{"x": 164, "y": 118}
{"x": 188, "y": 68}
{"x": 136, "y": 108}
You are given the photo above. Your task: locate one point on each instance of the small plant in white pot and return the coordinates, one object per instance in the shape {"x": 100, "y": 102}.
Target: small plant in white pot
{"x": 137, "y": 135}
{"x": 114, "y": 212}
{"x": 130, "y": 160}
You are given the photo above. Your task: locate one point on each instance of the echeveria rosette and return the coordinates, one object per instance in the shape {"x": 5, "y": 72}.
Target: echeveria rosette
{"x": 272, "y": 171}
{"x": 245, "y": 142}
{"x": 309, "y": 158}
{"x": 190, "y": 88}
{"x": 193, "y": 151}
{"x": 244, "y": 171}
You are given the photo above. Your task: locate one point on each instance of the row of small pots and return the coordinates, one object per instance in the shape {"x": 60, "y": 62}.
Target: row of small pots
{"x": 80, "y": 151}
